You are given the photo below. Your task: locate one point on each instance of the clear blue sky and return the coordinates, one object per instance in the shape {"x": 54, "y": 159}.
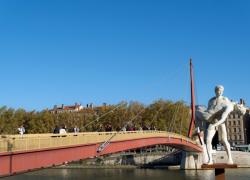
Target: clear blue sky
{"x": 55, "y": 51}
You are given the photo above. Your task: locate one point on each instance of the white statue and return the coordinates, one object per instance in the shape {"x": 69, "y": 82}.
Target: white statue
{"x": 219, "y": 107}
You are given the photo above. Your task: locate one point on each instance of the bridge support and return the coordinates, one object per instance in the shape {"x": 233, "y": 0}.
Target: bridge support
{"x": 191, "y": 160}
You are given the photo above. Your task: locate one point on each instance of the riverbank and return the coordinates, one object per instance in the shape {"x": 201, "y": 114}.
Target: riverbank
{"x": 113, "y": 167}
{"x": 95, "y": 167}
{"x": 149, "y": 161}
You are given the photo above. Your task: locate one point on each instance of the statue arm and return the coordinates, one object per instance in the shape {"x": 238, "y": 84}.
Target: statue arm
{"x": 229, "y": 108}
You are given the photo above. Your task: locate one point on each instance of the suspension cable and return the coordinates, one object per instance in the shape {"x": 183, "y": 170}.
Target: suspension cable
{"x": 172, "y": 123}
{"x": 107, "y": 142}
{"x": 98, "y": 118}
{"x": 180, "y": 131}
{"x": 155, "y": 115}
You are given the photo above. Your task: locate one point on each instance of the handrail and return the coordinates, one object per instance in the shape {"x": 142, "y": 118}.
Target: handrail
{"x": 27, "y": 142}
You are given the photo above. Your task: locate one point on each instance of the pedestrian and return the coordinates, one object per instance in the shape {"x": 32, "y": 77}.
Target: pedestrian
{"x": 21, "y": 130}
{"x": 76, "y": 129}
{"x": 56, "y": 130}
{"x": 62, "y": 130}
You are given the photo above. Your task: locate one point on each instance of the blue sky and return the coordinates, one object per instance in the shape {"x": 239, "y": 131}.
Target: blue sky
{"x": 55, "y": 51}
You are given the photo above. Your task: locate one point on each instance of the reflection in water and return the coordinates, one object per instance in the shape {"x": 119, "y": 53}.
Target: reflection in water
{"x": 199, "y": 174}
{"x": 65, "y": 172}
{"x": 238, "y": 174}
{"x": 128, "y": 174}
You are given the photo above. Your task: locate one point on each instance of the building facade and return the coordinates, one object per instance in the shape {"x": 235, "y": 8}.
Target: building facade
{"x": 235, "y": 129}
{"x": 238, "y": 128}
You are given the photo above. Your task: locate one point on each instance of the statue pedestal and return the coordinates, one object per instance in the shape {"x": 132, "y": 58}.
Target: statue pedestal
{"x": 219, "y": 169}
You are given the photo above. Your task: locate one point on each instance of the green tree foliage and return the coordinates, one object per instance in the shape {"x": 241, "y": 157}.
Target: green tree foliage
{"x": 161, "y": 115}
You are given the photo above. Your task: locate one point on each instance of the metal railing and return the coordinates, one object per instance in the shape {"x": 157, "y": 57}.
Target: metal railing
{"x": 28, "y": 142}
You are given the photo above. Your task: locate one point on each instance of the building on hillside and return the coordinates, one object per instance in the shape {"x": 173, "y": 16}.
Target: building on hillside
{"x": 71, "y": 108}
{"x": 77, "y": 108}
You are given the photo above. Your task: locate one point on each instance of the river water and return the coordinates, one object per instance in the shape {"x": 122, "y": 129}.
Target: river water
{"x": 129, "y": 174}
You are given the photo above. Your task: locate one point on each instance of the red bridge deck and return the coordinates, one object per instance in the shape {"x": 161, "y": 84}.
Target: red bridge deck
{"x": 20, "y": 154}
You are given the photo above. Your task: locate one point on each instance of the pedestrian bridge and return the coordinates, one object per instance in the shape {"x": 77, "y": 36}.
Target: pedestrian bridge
{"x": 33, "y": 151}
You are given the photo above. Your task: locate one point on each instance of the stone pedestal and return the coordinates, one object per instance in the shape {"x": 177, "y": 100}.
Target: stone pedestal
{"x": 219, "y": 169}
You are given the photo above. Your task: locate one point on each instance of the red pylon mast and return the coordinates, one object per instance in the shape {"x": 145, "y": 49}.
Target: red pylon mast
{"x": 191, "y": 125}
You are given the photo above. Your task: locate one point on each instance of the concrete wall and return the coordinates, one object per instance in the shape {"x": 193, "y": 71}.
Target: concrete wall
{"x": 154, "y": 159}
{"x": 242, "y": 159}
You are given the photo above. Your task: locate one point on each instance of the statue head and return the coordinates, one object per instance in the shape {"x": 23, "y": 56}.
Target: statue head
{"x": 219, "y": 89}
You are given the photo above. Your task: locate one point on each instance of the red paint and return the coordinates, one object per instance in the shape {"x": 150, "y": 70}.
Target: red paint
{"x": 191, "y": 125}
{"x": 23, "y": 161}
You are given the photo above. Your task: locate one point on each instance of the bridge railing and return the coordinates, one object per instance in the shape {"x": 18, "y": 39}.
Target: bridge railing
{"x": 28, "y": 142}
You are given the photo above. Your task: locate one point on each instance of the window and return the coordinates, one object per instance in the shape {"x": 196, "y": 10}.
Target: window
{"x": 234, "y": 122}
{"x": 234, "y": 129}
